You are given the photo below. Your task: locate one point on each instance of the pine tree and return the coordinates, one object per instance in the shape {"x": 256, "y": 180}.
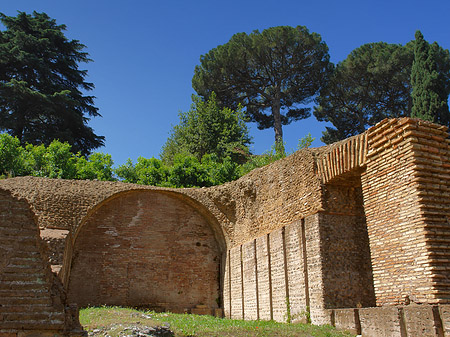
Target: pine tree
{"x": 274, "y": 74}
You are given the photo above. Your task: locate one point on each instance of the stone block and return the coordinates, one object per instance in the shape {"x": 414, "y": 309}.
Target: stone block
{"x": 444, "y": 311}
{"x": 419, "y": 320}
{"x": 347, "y": 319}
{"x": 380, "y": 322}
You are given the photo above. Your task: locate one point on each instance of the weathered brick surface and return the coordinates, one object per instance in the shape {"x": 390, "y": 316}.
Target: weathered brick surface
{"x": 264, "y": 278}
{"x": 314, "y": 266}
{"x": 342, "y": 157}
{"x": 310, "y": 219}
{"x": 296, "y": 271}
{"x": 237, "y": 300}
{"x": 270, "y": 197}
{"x": 419, "y": 320}
{"x": 249, "y": 279}
{"x": 227, "y": 287}
{"x": 347, "y": 319}
{"x": 405, "y": 188}
{"x": 32, "y": 299}
{"x": 402, "y": 321}
{"x": 147, "y": 249}
{"x": 444, "y": 311}
{"x": 347, "y": 270}
{"x": 347, "y": 275}
{"x": 277, "y": 268}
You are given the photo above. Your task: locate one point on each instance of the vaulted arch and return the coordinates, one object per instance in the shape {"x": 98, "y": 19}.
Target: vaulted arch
{"x": 156, "y": 249}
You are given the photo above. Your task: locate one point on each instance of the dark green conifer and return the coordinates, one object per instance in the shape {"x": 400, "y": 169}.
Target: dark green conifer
{"x": 41, "y": 87}
{"x": 429, "y": 88}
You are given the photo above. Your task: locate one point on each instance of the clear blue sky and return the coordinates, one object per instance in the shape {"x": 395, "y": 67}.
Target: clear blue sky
{"x": 145, "y": 51}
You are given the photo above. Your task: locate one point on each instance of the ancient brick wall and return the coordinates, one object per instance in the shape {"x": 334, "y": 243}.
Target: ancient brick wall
{"x": 268, "y": 198}
{"x": 148, "y": 249}
{"x": 357, "y": 223}
{"x": 346, "y": 261}
{"x": 269, "y": 273}
{"x": 32, "y": 299}
{"x": 406, "y": 188}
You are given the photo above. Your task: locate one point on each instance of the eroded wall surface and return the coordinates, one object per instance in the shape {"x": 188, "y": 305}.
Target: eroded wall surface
{"x": 146, "y": 249}
{"x": 346, "y": 261}
{"x": 394, "y": 321}
{"x": 32, "y": 299}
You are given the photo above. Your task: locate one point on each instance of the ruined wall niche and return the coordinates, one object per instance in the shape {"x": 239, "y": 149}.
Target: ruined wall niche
{"x": 346, "y": 260}
{"x": 146, "y": 249}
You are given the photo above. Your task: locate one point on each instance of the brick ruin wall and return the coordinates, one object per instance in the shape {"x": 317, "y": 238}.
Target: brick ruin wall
{"x": 406, "y": 193}
{"x": 359, "y": 223}
{"x": 32, "y": 299}
{"x": 166, "y": 256}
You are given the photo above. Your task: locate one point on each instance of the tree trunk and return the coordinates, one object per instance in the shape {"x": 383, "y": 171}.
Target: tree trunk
{"x": 276, "y": 108}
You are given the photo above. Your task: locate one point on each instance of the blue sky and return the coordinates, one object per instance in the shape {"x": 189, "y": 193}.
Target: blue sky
{"x": 145, "y": 52}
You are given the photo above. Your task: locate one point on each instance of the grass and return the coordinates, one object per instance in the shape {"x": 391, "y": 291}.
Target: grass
{"x": 114, "y": 320}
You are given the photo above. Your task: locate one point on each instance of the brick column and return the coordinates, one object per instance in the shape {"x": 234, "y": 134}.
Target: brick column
{"x": 406, "y": 189}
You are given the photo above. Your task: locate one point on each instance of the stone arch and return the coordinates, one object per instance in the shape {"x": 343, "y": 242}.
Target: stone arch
{"x": 150, "y": 248}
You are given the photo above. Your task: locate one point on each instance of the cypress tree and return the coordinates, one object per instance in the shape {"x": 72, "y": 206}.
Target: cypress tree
{"x": 428, "y": 99}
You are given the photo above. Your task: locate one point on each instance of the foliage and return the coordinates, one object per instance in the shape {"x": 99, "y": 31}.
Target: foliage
{"x": 113, "y": 320}
{"x": 373, "y": 83}
{"x": 266, "y": 158}
{"x": 150, "y": 171}
{"x": 11, "y": 156}
{"x": 41, "y": 96}
{"x": 208, "y": 129}
{"x": 272, "y": 74}
{"x": 98, "y": 166}
{"x": 220, "y": 171}
{"x": 58, "y": 161}
{"x": 430, "y": 83}
{"x": 275, "y": 153}
{"x": 186, "y": 171}
{"x": 305, "y": 142}
{"x": 53, "y": 161}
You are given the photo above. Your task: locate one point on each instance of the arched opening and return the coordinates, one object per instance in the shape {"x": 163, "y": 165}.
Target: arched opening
{"x": 146, "y": 249}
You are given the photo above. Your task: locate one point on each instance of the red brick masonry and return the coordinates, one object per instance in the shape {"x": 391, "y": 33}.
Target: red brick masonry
{"x": 360, "y": 223}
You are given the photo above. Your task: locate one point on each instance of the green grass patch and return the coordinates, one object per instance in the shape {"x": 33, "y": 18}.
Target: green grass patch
{"x": 114, "y": 320}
